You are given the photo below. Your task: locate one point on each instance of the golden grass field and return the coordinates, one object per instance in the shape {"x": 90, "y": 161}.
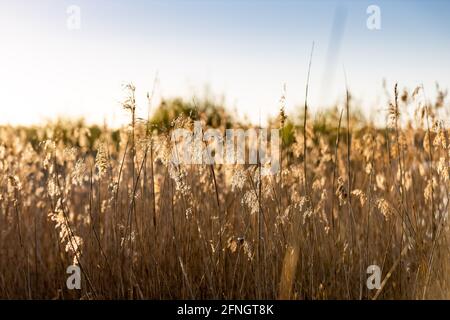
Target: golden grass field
{"x": 350, "y": 194}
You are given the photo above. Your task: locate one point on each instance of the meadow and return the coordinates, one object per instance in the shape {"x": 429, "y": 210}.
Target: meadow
{"x": 349, "y": 194}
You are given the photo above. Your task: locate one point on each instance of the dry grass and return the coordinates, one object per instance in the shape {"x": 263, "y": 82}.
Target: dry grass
{"x": 141, "y": 227}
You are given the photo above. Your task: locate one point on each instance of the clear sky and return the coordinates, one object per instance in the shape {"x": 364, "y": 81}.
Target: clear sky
{"x": 244, "y": 50}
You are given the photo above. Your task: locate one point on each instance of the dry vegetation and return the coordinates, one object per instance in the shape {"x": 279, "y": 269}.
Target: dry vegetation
{"x": 142, "y": 227}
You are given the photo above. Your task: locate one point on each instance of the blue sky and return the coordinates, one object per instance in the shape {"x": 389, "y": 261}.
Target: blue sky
{"x": 244, "y": 50}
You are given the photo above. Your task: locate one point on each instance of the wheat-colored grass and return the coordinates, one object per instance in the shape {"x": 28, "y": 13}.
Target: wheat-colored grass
{"x": 140, "y": 226}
